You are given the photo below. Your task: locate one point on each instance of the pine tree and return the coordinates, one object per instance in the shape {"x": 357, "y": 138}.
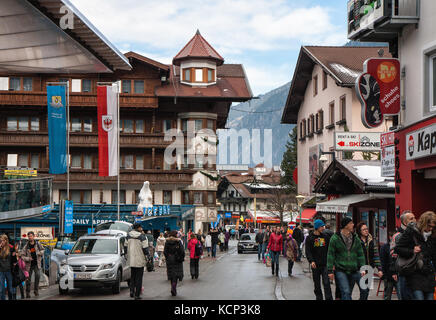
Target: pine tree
{"x": 289, "y": 162}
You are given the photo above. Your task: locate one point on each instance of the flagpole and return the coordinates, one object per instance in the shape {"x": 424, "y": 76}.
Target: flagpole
{"x": 118, "y": 142}
{"x": 68, "y": 140}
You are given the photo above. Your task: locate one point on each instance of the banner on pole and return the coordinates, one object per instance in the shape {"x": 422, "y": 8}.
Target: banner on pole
{"x": 57, "y": 128}
{"x": 107, "y": 105}
{"x": 68, "y": 226}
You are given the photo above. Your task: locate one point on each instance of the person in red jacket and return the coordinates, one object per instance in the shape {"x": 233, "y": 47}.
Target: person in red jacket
{"x": 194, "y": 262}
{"x": 275, "y": 246}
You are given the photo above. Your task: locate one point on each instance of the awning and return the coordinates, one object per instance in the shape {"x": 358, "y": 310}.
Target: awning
{"x": 306, "y": 215}
{"x": 342, "y": 204}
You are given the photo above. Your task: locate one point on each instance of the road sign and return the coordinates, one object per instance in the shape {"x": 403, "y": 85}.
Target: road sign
{"x": 357, "y": 141}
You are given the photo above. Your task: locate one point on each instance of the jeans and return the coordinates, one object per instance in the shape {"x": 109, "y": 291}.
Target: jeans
{"x": 404, "y": 292}
{"x": 421, "y": 295}
{"x": 194, "y": 267}
{"x": 28, "y": 281}
{"x": 8, "y": 277}
{"x": 317, "y": 274}
{"x": 259, "y": 251}
{"x": 136, "y": 280}
{"x": 264, "y": 245}
{"x": 275, "y": 255}
{"x": 290, "y": 266}
{"x": 208, "y": 251}
{"x": 346, "y": 284}
{"x": 213, "y": 250}
{"x": 300, "y": 252}
{"x": 389, "y": 287}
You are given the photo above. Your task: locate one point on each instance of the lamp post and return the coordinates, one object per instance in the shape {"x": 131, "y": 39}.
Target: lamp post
{"x": 300, "y": 200}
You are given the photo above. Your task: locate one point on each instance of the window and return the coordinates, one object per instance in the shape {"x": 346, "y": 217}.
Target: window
{"x": 12, "y": 124}
{"x": 332, "y": 113}
{"x": 126, "y": 84}
{"x": 185, "y": 162}
{"x": 139, "y": 162}
{"x": 210, "y": 198}
{"x": 34, "y": 124}
{"x": 184, "y": 125}
{"x": 304, "y": 128}
{"x": 432, "y": 82}
{"x": 198, "y": 125}
{"x": 86, "y": 85}
{"x": 115, "y": 196}
{"x": 312, "y": 124}
{"x": 324, "y": 80}
{"x": 343, "y": 108}
{"x": 139, "y": 126}
{"x": 87, "y": 161}
{"x": 187, "y": 74}
{"x": 301, "y": 130}
{"x": 139, "y": 86}
{"x": 198, "y": 197}
{"x": 127, "y": 126}
{"x": 315, "y": 85}
{"x": 14, "y": 84}
{"x": 166, "y": 125}
{"x": 76, "y": 125}
{"x": 210, "y": 124}
{"x": 319, "y": 121}
{"x": 79, "y": 196}
{"x": 128, "y": 161}
{"x": 23, "y": 160}
{"x": 27, "y": 84}
{"x": 76, "y": 161}
{"x": 185, "y": 197}
{"x": 87, "y": 125}
{"x": 167, "y": 197}
{"x": 210, "y": 75}
{"x": 23, "y": 123}
{"x": 198, "y": 75}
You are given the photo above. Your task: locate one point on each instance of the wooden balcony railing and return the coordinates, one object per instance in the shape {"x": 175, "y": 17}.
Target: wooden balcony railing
{"x": 29, "y": 138}
{"x": 79, "y": 99}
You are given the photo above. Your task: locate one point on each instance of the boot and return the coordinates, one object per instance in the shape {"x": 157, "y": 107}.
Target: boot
{"x": 272, "y": 268}
{"x": 277, "y": 271}
{"x": 173, "y": 288}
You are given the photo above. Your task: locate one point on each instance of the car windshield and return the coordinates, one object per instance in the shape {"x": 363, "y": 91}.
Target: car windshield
{"x": 95, "y": 246}
{"x": 63, "y": 242}
{"x": 113, "y": 226}
{"x": 245, "y": 237}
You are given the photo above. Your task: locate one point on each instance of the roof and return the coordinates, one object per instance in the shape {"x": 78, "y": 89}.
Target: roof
{"x": 341, "y": 205}
{"x": 198, "y": 47}
{"x": 364, "y": 175}
{"x": 34, "y": 41}
{"x": 149, "y": 61}
{"x": 232, "y": 85}
{"x": 343, "y": 64}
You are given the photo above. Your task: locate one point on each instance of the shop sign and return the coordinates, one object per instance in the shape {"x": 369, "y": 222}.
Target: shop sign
{"x": 387, "y": 154}
{"x": 378, "y": 89}
{"x": 228, "y": 215}
{"x": 421, "y": 143}
{"x": 41, "y": 233}
{"x": 357, "y": 141}
{"x": 21, "y": 173}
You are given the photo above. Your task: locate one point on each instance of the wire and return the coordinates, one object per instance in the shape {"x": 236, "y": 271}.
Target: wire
{"x": 270, "y": 111}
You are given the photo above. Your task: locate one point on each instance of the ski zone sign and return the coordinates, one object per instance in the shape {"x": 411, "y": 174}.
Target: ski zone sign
{"x": 421, "y": 143}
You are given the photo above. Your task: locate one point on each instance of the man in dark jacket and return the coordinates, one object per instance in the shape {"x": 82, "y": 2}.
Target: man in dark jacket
{"x": 298, "y": 235}
{"x": 259, "y": 241}
{"x": 390, "y": 276}
{"x": 214, "y": 235}
{"x": 316, "y": 252}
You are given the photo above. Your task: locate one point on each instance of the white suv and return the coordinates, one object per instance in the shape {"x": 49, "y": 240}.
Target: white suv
{"x": 96, "y": 260}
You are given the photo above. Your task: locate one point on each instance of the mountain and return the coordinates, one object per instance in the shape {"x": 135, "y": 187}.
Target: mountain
{"x": 263, "y": 113}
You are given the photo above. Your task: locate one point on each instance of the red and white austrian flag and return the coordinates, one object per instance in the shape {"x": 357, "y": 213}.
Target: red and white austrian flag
{"x": 107, "y": 105}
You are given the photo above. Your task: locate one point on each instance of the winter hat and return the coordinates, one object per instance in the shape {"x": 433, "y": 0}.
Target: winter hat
{"x": 318, "y": 224}
{"x": 345, "y": 221}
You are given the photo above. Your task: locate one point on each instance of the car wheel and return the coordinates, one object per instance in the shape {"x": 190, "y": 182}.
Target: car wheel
{"x": 63, "y": 291}
{"x": 116, "y": 288}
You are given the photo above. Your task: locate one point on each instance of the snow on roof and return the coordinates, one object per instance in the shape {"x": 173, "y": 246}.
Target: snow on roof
{"x": 344, "y": 70}
{"x": 370, "y": 173}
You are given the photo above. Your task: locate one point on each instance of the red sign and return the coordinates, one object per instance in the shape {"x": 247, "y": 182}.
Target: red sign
{"x": 387, "y": 139}
{"x": 137, "y": 213}
{"x": 378, "y": 89}
{"x": 295, "y": 175}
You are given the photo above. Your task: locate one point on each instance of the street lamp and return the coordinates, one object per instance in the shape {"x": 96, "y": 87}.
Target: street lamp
{"x": 300, "y": 200}
{"x": 323, "y": 157}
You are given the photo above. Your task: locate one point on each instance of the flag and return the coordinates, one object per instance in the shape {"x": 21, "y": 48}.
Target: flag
{"x": 107, "y": 105}
{"x": 57, "y": 128}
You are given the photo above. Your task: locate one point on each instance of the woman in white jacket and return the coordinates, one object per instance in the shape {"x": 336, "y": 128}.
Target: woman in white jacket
{"x": 208, "y": 244}
{"x": 160, "y": 246}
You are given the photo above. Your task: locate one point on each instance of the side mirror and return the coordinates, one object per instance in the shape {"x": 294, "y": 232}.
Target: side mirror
{"x": 67, "y": 252}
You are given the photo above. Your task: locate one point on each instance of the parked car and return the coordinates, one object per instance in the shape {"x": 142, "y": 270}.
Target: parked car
{"x": 58, "y": 255}
{"x": 247, "y": 242}
{"x": 96, "y": 260}
{"x": 123, "y": 226}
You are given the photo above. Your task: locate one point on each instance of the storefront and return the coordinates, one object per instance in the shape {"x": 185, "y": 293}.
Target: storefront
{"x": 415, "y": 168}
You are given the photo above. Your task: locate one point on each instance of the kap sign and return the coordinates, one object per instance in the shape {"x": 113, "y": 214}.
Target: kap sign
{"x": 378, "y": 89}
{"x": 357, "y": 141}
{"x": 421, "y": 143}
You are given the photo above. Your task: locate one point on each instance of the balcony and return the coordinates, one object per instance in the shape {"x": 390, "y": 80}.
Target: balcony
{"x": 383, "y": 21}
{"x": 77, "y": 99}
{"x": 25, "y": 198}
{"x": 38, "y": 138}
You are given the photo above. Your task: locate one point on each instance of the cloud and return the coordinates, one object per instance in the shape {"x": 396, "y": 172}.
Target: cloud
{"x": 264, "y": 78}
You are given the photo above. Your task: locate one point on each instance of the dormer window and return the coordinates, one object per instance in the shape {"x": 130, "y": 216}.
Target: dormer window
{"x": 199, "y": 75}
{"x": 210, "y": 75}
{"x": 187, "y": 75}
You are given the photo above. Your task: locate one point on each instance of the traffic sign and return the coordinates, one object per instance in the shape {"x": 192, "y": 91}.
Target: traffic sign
{"x": 357, "y": 141}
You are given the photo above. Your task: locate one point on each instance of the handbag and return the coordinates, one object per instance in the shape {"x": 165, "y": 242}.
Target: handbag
{"x": 18, "y": 276}
{"x": 150, "y": 264}
{"x": 268, "y": 260}
{"x": 408, "y": 266}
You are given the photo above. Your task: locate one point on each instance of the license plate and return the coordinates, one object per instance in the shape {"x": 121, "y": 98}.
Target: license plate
{"x": 250, "y": 246}
{"x": 82, "y": 276}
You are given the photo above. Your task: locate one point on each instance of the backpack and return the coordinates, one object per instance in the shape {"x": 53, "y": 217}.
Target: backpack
{"x": 198, "y": 249}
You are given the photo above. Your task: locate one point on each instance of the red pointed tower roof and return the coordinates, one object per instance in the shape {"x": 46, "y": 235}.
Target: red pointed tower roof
{"x": 198, "y": 47}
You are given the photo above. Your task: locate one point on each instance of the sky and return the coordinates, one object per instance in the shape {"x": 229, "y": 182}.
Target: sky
{"x": 263, "y": 35}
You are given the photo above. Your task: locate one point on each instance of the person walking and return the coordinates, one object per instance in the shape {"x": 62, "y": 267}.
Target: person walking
{"x": 291, "y": 253}
{"x": 317, "y": 244}
{"x": 7, "y": 260}
{"x": 267, "y": 234}
{"x": 174, "y": 255}
{"x": 221, "y": 239}
{"x": 346, "y": 255}
{"x": 416, "y": 239}
{"x": 160, "y": 246}
{"x": 19, "y": 274}
{"x": 137, "y": 252}
{"x": 208, "y": 243}
{"x": 390, "y": 277}
{"x": 226, "y": 240}
{"x": 372, "y": 257}
{"x": 404, "y": 293}
{"x": 259, "y": 241}
{"x": 299, "y": 237}
{"x": 32, "y": 254}
{"x": 275, "y": 246}
{"x": 214, "y": 237}
{"x": 194, "y": 257}
{"x": 285, "y": 238}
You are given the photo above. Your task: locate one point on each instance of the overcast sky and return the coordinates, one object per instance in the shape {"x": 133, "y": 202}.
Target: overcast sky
{"x": 263, "y": 35}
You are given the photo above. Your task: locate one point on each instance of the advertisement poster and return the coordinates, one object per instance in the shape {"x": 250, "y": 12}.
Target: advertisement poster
{"x": 383, "y": 231}
{"x": 314, "y": 165}
{"x": 68, "y": 226}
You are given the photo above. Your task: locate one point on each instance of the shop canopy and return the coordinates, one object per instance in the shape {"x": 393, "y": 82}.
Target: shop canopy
{"x": 33, "y": 41}
{"x": 269, "y": 216}
{"x": 341, "y": 205}
{"x": 306, "y": 215}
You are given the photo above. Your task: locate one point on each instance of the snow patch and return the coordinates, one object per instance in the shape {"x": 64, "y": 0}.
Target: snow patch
{"x": 344, "y": 70}
{"x": 370, "y": 173}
